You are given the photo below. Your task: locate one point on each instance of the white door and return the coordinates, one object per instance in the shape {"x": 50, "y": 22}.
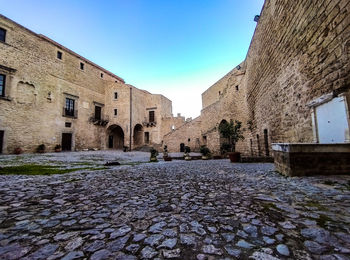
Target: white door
{"x": 332, "y": 123}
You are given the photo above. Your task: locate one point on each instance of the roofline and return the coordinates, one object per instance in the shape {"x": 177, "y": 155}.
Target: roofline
{"x": 43, "y": 37}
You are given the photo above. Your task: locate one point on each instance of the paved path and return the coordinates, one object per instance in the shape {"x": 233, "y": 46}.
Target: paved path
{"x": 184, "y": 210}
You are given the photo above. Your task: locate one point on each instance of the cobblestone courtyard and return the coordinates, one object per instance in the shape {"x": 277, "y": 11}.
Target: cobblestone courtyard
{"x": 185, "y": 210}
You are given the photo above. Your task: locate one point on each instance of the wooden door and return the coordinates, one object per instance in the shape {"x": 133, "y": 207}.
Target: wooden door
{"x": 66, "y": 142}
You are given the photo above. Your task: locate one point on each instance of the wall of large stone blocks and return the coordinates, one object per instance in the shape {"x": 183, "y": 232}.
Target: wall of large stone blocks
{"x": 230, "y": 106}
{"x": 37, "y": 83}
{"x": 189, "y": 134}
{"x": 36, "y": 86}
{"x": 299, "y": 52}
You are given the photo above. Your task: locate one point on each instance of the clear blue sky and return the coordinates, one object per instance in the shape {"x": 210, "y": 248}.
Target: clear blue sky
{"x": 177, "y": 48}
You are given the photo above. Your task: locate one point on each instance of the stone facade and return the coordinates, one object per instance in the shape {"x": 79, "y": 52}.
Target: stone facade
{"x": 41, "y": 75}
{"x": 298, "y": 60}
{"x": 299, "y": 52}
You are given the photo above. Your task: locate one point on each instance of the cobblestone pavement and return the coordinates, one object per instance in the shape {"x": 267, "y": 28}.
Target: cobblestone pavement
{"x": 185, "y": 210}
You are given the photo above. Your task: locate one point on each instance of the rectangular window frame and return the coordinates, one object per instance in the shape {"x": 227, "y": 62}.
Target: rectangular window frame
{"x": 59, "y": 55}
{"x": 3, "y": 86}
{"x": 69, "y": 107}
{"x": 151, "y": 116}
{"x": 82, "y": 66}
{"x": 115, "y": 95}
{"x": 3, "y": 32}
{"x": 98, "y": 112}
{"x": 115, "y": 112}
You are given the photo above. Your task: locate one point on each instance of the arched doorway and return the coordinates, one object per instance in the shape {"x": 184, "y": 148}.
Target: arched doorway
{"x": 115, "y": 137}
{"x": 138, "y": 135}
{"x": 224, "y": 142}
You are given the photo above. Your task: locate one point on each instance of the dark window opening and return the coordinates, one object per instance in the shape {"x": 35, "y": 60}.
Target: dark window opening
{"x": 115, "y": 95}
{"x": 68, "y": 124}
{"x": 258, "y": 142}
{"x": 81, "y": 66}
{"x": 59, "y": 55}
{"x": 189, "y": 139}
{"x": 2, "y": 85}
{"x": 251, "y": 147}
{"x": 147, "y": 137}
{"x": 237, "y": 88}
{"x": 98, "y": 113}
{"x": 69, "y": 108}
{"x": 1, "y": 140}
{"x": 115, "y": 111}
{"x": 219, "y": 93}
{"x": 151, "y": 116}
{"x": 2, "y": 35}
{"x": 266, "y": 140}
{"x": 101, "y": 75}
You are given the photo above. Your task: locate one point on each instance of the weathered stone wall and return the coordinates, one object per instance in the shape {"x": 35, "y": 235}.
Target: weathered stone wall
{"x": 37, "y": 83}
{"x": 230, "y": 106}
{"x": 188, "y": 134}
{"x": 297, "y": 54}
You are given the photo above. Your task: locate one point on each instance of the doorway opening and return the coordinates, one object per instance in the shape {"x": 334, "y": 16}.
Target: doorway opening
{"x": 66, "y": 142}
{"x": 138, "y": 134}
{"x": 115, "y": 137}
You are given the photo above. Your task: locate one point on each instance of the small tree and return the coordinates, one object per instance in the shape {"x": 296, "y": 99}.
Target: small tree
{"x": 233, "y": 132}
{"x": 204, "y": 150}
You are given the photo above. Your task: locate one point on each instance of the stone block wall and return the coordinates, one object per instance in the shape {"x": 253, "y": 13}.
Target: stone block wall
{"x": 38, "y": 82}
{"x": 300, "y": 51}
{"x": 189, "y": 134}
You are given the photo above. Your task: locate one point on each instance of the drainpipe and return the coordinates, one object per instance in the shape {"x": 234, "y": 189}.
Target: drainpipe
{"x": 130, "y": 119}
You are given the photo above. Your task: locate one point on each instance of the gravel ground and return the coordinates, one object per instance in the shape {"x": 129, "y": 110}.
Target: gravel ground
{"x": 180, "y": 210}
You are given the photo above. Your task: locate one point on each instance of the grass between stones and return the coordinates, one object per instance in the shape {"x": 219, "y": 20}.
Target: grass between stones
{"x": 34, "y": 169}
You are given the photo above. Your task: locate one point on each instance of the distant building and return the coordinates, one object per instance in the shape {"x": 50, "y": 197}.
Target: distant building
{"x": 51, "y": 95}
{"x": 293, "y": 86}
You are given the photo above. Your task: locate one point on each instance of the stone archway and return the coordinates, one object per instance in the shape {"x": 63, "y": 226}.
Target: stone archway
{"x": 138, "y": 136}
{"x": 223, "y": 142}
{"x": 115, "y": 137}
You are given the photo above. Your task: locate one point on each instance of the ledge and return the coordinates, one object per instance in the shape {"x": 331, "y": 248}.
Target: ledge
{"x": 6, "y": 98}
{"x": 302, "y": 159}
{"x": 311, "y": 147}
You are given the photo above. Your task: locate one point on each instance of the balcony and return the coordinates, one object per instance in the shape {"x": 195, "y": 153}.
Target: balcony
{"x": 69, "y": 113}
{"x": 100, "y": 121}
{"x": 149, "y": 124}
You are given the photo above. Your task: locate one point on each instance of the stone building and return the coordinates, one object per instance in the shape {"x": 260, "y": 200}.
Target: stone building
{"x": 51, "y": 95}
{"x": 292, "y": 87}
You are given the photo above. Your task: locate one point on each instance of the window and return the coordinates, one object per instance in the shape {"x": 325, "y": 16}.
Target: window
{"x": 2, "y": 85}
{"x": 101, "y": 75}
{"x": 59, "y": 55}
{"x": 68, "y": 124}
{"x": 115, "y": 95}
{"x": 237, "y": 88}
{"x": 97, "y": 113}
{"x": 151, "y": 116}
{"x": 69, "y": 108}
{"x": 82, "y": 66}
{"x": 115, "y": 112}
{"x": 2, "y": 35}
{"x": 147, "y": 137}
{"x": 189, "y": 139}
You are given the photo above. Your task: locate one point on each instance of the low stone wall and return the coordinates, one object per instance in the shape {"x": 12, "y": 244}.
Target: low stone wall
{"x": 312, "y": 159}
